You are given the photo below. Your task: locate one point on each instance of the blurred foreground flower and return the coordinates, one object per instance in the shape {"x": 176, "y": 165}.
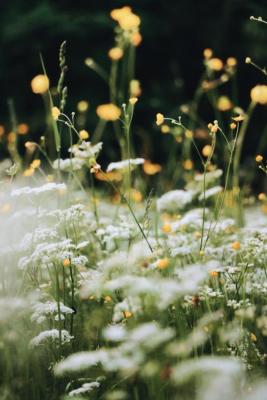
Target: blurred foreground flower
{"x": 108, "y": 112}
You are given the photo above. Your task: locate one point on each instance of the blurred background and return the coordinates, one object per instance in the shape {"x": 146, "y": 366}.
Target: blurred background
{"x": 169, "y": 59}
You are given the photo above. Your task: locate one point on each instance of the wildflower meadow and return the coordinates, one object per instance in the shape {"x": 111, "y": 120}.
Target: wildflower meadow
{"x": 124, "y": 276}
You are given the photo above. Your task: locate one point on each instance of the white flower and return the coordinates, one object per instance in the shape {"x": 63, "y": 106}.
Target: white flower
{"x": 124, "y": 164}
{"x": 51, "y": 335}
{"x": 174, "y": 200}
{"x": 69, "y": 164}
{"x": 85, "y": 388}
{"x": 46, "y": 188}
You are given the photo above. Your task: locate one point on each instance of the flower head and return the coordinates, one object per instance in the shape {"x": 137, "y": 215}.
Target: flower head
{"x": 55, "y": 111}
{"x": 40, "y": 84}
{"x": 258, "y": 94}
{"x": 159, "y": 119}
{"x": 108, "y": 112}
{"x": 115, "y": 54}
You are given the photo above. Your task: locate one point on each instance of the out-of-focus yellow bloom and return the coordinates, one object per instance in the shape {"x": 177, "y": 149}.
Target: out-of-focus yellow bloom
{"x": 128, "y": 314}
{"x": 135, "y": 88}
{"x": 109, "y": 176}
{"x": 231, "y": 62}
{"x": 35, "y": 164}
{"x": 264, "y": 208}
{"x": 189, "y": 134}
{"x": 82, "y": 106}
{"x": 22, "y": 129}
{"x": 213, "y": 274}
{"x": 2, "y": 130}
{"x": 258, "y": 158}
{"x": 159, "y": 119}
{"x": 206, "y": 151}
{"x": 253, "y": 337}
{"x": 166, "y": 228}
{"x": 129, "y": 22}
{"x": 136, "y": 38}
{"x": 258, "y": 94}
{"x": 66, "y": 262}
{"x": 83, "y": 134}
{"x": 108, "y": 112}
{"x": 30, "y": 146}
{"x": 239, "y": 118}
{"x": 50, "y": 178}
{"x": 133, "y": 100}
{"x": 115, "y": 54}
{"x": 107, "y": 299}
{"x": 40, "y": 84}
{"x": 165, "y": 128}
{"x": 136, "y": 195}
{"x": 151, "y": 168}
{"x": 28, "y": 172}
{"x": 55, "y": 111}
{"x": 215, "y": 64}
{"x": 162, "y": 263}
{"x": 236, "y": 245}
{"x": 5, "y": 208}
{"x": 11, "y": 137}
{"x": 188, "y": 165}
{"x": 224, "y": 103}
{"x": 262, "y": 196}
{"x": 232, "y": 126}
{"x": 207, "y": 53}
{"x": 119, "y": 13}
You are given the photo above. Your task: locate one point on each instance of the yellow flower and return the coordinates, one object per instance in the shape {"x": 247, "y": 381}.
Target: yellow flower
{"x": 107, "y": 299}
{"x": 159, "y": 119}
{"x": 253, "y": 337}
{"x": 136, "y": 196}
{"x": 2, "y": 130}
{"x": 258, "y": 94}
{"x": 189, "y": 134}
{"x": 224, "y": 103}
{"x": 35, "y": 164}
{"x": 231, "y": 62}
{"x": 188, "y": 165}
{"x": 82, "y": 106}
{"x": 109, "y": 176}
{"x": 119, "y": 13}
{"x": 166, "y": 228}
{"x": 248, "y": 60}
{"x": 236, "y": 246}
{"x": 55, "y": 112}
{"x": 163, "y": 263}
{"x": 66, "y": 262}
{"x": 150, "y": 168}
{"x": 215, "y": 64}
{"x": 23, "y": 129}
{"x": 127, "y": 314}
{"x": 83, "y": 134}
{"x": 133, "y": 100}
{"x": 258, "y": 158}
{"x": 40, "y": 84}
{"x": 232, "y": 126}
{"x": 129, "y": 22}
{"x": 11, "y": 137}
{"x": 136, "y": 38}
{"x": 213, "y": 274}
{"x": 28, "y": 172}
{"x": 239, "y": 118}
{"x": 115, "y": 54}
{"x": 135, "y": 88}
{"x": 30, "y": 146}
{"x": 108, "y": 112}
{"x": 165, "y": 128}
{"x": 207, "y": 53}
{"x": 262, "y": 196}
{"x": 206, "y": 151}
